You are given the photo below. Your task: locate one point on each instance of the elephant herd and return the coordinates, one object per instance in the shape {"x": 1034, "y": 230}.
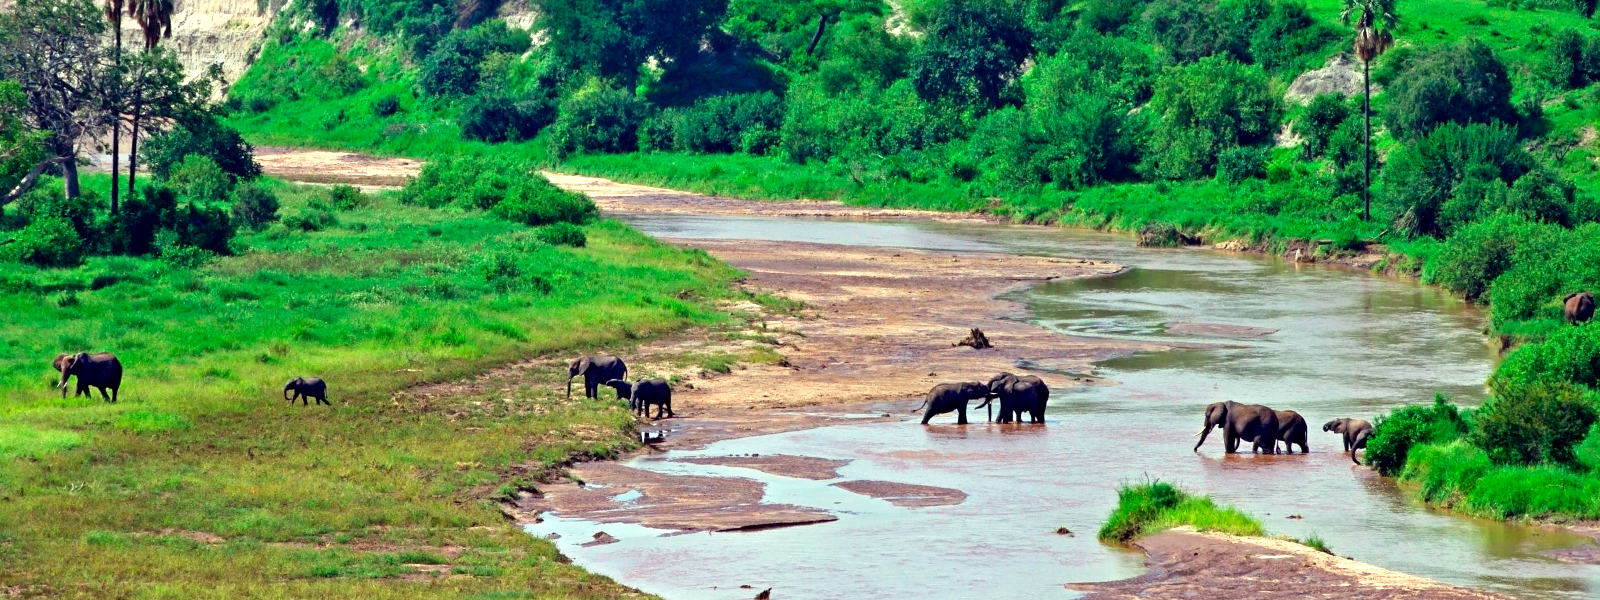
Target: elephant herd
{"x": 1018, "y": 396}
{"x": 612, "y": 372}
{"x": 103, "y": 371}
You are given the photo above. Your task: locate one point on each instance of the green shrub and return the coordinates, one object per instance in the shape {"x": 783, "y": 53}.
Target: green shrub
{"x": 1587, "y": 452}
{"x": 1455, "y": 175}
{"x": 1570, "y": 355}
{"x": 346, "y": 197}
{"x": 312, "y": 217}
{"x": 1317, "y": 126}
{"x": 538, "y": 202}
{"x": 208, "y": 228}
{"x": 1446, "y": 473}
{"x": 1238, "y": 164}
{"x": 254, "y": 206}
{"x": 452, "y": 65}
{"x": 1459, "y": 83}
{"x": 1533, "y": 423}
{"x": 1474, "y": 257}
{"x": 385, "y": 106}
{"x": 598, "y": 118}
{"x": 198, "y": 177}
{"x": 1149, "y": 508}
{"x": 1204, "y": 110}
{"x": 46, "y": 242}
{"x": 718, "y": 124}
{"x": 204, "y": 135}
{"x": 496, "y": 117}
{"x": 563, "y": 234}
{"x": 971, "y": 53}
{"x": 1396, "y": 433}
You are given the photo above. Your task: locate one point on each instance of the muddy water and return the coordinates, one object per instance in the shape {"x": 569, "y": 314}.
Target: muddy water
{"x": 1342, "y": 343}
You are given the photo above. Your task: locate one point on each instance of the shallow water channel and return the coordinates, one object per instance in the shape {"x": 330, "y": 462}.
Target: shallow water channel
{"x": 1347, "y": 343}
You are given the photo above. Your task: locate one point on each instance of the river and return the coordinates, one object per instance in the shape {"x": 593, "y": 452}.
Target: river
{"x": 1344, "y": 343}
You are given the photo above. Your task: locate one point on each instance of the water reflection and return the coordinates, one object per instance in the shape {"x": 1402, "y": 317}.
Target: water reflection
{"x": 1346, "y": 344}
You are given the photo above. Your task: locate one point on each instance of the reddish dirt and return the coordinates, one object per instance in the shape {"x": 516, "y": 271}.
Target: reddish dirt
{"x": 802, "y": 467}
{"x": 614, "y": 197}
{"x": 907, "y": 495}
{"x": 1185, "y": 564}
{"x": 683, "y": 503}
{"x": 329, "y": 167}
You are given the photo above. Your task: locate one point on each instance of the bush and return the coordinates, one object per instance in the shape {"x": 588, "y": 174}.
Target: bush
{"x": 1455, "y": 175}
{"x": 203, "y": 135}
{"x": 1206, "y": 109}
{"x": 1317, "y": 126}
{"x": 452, "y": 65}
{"x": 1238, "y": 164}
{"x": 1478, "y": 254}
{"x": 598, "y": 118}
{"x": 1460, "y": 83}
{"x": 1533, "y": 423}
{"x": 313, "y": 217}
{"x": 495, "y": 117}
{"x": 1587, "y": 452}
{"x": 971, "y": 53}
{"x": 538, "y": 202}
{"x": 345, "y": 197}
{"x": 46, "y": 242}
{"x": 385, "y": 106}
{"x": 563, "y": 234}
{"x": 1149, "y": 508}
{"x": 254, "y": 206}
{"x": 1396, "y": 433}
{"x": 205, "y": 227}
{"x": 717, "y": 124}
{"x": 198, "y": 177}
{"x": 1570, "y": 355}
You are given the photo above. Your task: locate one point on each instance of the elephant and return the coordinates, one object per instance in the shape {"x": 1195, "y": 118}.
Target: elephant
{"x": 1355, "y": 432}
{"x": 1018, "y": 395}
{"x": 306, "y": 387}
{"x": 595, "y": 370}
{"x": 947, "y": 397}
{"x": 642, "y": 394}
{"x": 1292, "y": 430}
{"x": 101, "y": 370}
{"x": 1579, "y": 307}
{"x": 1253, "y": 423}
{"x": 60, "y": 364}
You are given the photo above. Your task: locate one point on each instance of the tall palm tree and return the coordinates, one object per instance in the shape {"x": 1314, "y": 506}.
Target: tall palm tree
{"x": 1373, "y": 20}
{"x": 113, "y": 12}
{"x": 155, "y": 20}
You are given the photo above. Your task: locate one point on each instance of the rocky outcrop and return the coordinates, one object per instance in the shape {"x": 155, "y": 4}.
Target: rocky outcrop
{"x": 227, "y": 33}
{"x": 1342, "y": 75}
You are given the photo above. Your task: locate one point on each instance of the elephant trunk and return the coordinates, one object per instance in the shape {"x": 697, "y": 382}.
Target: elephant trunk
{"x": 569, "y": 386}
{"x": 1202, "y": 435}
{"x": 286, "y": 391}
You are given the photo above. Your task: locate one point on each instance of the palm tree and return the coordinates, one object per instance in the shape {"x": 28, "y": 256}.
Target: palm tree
{"x": 113, "y": 12}
{"x": 155, "y": 20}
{"x": 1373, "y": 21}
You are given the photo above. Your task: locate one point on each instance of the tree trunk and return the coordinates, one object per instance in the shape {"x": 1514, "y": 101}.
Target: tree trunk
{"x": 116, "y": 120}
{"x": 822, "y": 27}
{"x": 133, "y": 149}
{"x": 69, "y": 177}
{"x": 1366, "y": 155}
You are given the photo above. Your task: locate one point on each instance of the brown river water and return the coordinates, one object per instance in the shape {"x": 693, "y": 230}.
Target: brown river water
{"x": 1347, "y": 343}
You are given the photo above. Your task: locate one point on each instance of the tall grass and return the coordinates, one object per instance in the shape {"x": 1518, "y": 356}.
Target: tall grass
{"x": 1150, "y": 508}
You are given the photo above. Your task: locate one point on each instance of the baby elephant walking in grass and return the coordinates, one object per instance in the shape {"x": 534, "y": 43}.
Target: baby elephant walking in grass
{"x": 1355, "y": 432}
{"x": 643, "y": 393}
{"x": 306, "y": 387}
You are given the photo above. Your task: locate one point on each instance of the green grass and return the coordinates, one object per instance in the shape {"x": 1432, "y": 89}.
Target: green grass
{"x": 1150, "y": 508}
{"x": 1461, "y": 477}
{"x": 102, "y": 500}
{"x": 1316, "y": 543}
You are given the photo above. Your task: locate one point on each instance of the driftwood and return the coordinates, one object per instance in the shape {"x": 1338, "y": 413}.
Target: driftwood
{"x": 975, "y": 340}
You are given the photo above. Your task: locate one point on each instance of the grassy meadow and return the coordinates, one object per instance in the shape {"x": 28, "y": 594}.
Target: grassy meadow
{"x": 202, "y": 483}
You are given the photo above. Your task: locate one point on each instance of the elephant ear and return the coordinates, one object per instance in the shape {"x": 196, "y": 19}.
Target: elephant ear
{"x": 81, "y": 359}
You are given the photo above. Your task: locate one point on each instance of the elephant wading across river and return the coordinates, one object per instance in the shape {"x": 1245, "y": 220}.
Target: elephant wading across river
{"x": 101, "y": 370}
{"x": 1292, "y": 430}
{"x": 947, "y": 397}
{"x": 1018, "y": 396}
{"x": 1252, "y": 423}
{"x": 595, "y": 371}
{"x": 1355, "y": 432}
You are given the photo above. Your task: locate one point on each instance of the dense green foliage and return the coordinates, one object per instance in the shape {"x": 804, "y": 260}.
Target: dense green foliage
{"x": 1396, "y": 433}
{"x": 1151, "y": 508}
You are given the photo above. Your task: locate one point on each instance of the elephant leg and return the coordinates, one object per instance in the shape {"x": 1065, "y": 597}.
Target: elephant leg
{"x": 961, "y": 415}
{"x": 105, "y": 396}
{"x": 1230, "y": 442}
{"x": 114, "y": 394}
{"x": 927, "y": 416}
{"x": 324, "y": 400}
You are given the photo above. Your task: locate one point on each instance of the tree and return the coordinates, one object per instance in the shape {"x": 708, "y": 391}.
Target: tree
{"x": 1373, "y": 21}
{"x": 113, "y": 13}
{"x": 972, "y": 53}
{"x": 155, "y": 21}
{"x": 1461, "y": 83}
{"x": 53, "y": 50}
{"x": 1205, "y": 109}
{"x": 612, "y": 38}
{"x": 23, "y": 154}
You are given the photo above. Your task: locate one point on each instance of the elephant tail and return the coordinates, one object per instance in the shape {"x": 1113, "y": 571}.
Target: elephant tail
{"x": 919, "y": 408}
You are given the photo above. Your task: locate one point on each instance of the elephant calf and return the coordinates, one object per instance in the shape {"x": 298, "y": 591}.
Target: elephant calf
{"x": 643, "y": 393}
{"x": 1355, "y": 432}
{"x": 101, "y": 370}
{"x": 947, "y": 397}
{"x": 306, "y": 387}
{"x": 1292, "y": 430}
{"x": 1578, "y": 307}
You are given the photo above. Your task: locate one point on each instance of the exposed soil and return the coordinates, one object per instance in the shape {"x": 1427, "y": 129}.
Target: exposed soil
{"x": 1587, "y": 554}
{"x": 328, "y": 167}
{"x": 613, "y": 493}
{"x": 908, "y": 495}
{"x": 801, "y": 467}
{"x": 614, "y": 197}
{"x": 1185, "y": 564}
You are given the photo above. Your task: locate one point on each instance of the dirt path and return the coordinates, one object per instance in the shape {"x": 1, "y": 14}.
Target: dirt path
{"x": 876, "y": 332}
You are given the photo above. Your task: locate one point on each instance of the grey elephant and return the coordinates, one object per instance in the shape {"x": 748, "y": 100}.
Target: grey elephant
{"x": 1252, "y": 423}
{"x": 101, "y": 370}
{"x": 643, "y": 393}
{"x": 1355, "y": 432}
{"x": 306, "y": 387}
{"x": 1578, "y": 307}
{"x": 60, "y": 365}
{"x": 1292, "y": 430}
{"x": 947, "y": 397}
{"x": 595, "y": 371}
{"x": 1018, "y": 396}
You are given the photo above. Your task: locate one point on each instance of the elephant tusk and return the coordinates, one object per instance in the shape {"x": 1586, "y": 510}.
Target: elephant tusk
{"x": 1196, "y": 434}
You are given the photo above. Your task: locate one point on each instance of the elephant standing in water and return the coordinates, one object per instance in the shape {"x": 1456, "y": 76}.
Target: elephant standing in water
{"x": 1253, "y": 423}
{"x": 1292, "y": 430}
{"x": 1355, "y": 432}
{"x": 947, "y": 397}
{"x": 1578, "y": 307}
{"x": 101, "y": 370}
{"x": 1018, "y": 396}
{"x": 595, "y": 371}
